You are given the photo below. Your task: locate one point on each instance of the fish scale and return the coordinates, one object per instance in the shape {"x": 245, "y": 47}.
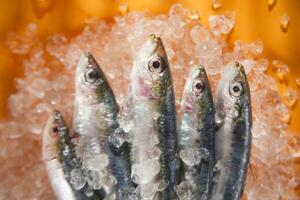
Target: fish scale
{"x": 74, "y": 176}
{"x": 196, "y": 135}
{"x": 168, "y": 127}
{"x": 153, "y": 145}
{"x": 70, "y": 161}
{"x": 233, "y": 138}
{"x": 95, "y": 120}
{"x": 152, "y": 101}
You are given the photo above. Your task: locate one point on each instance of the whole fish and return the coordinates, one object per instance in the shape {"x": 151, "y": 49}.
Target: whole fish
{"x": 63, "y": 166}
{"x": 95, "y": 119}
{"x": 196, "y": 137}
{"x": 233, "y": 139}
{"x": 154, "y": 137}
{"x": 50, "y": 155}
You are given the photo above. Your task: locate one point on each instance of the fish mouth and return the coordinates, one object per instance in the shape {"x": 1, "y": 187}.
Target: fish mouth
{"x": 87, "y": 54}
{"x": 239, "y": 67}
{"x": 91, "y": 61}
{"x": 234, "y": 71}
{"x": 199, "y": 71}
{"x": 152, "y": 37}
{"x": 157, "y": 44}
{"x": 200, "y": 67}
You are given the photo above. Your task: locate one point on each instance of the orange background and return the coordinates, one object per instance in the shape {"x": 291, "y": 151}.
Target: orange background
{"x": 253, "y": 21}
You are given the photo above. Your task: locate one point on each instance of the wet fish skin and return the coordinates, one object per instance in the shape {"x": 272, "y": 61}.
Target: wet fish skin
{"x": 120, "y": 165}
{"x": 233, "y": 139}
{"x": 152, "y": 93}
{"x": 95, "y": 118}
{"x": 56, "y": 136}
{"x": 197, "y": 132}
{"x": 168, "y": 145}
{"x": 50, "y": 155}
{"x": 95, "y": 106}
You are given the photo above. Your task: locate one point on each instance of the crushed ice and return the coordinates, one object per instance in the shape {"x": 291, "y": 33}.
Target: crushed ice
{"x": 47, "y": 84}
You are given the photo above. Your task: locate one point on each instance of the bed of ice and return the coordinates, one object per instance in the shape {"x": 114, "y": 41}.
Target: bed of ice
{"x": 48, "y": 84}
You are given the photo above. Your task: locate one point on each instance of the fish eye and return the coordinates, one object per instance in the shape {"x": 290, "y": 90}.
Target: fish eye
{"x": 155, "y": 65}
{"x": 198, "y": 87}
{"x": 236, "y": 89}
{"x": 91, "y": 76}
{"x": 55, "y": 129}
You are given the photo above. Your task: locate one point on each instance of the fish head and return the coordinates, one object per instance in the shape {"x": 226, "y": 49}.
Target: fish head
{"x": 90, "y": 82}
{"x": 150, "y": 74}
{"x": 197, "y": 93}
{"x": 233, "y": 95}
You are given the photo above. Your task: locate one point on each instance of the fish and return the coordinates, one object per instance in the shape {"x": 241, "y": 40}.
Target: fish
{"x": 196, "y": 136}
{"x": 63, "y": 166}
{"x": 95, "y": 121}
{"x": 233, "y": 137}
{"x": 154, "y": 136}
{"x": 60, "y": 185}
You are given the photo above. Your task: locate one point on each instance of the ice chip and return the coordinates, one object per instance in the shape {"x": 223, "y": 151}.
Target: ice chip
{"x": 282, "y": 70}
{"x": 123, "y": 9}
{"x": 77, "y": 179}
{"x": 247, "y": 50}
{"x": 284, "y": 22}
{"x": 291, "y": 97}
{"x": 94, "y": 179}
{"x": 298, "y": 82}
{"x": 88, "y": 192}
{"x": 118, "y": 137}
{"x": 271, "y": 4}
{"x": 183, "y": 191}
{"x": 96, "y": 162}
{"x": 57, "y": 46}
{"x": 145, "y": 171}
{"x": 191, "y": 156}
{"x": 216, "y": 4}
{"x": 221, "y": 24}
{"x": 130, "y": 193}
{"x": 248, "y": 64}
{"x": 194, "y": 14}
{"x": 149, "y": 191}
{"x": 199, "y": 33}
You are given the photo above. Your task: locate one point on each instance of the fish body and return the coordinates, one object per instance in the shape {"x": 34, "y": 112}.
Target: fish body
{"x": 86, "y": 170}
{"x": 196, "y": 136}
{"x": 154, "y": 137}
{"x": 95, "y": 119}
{"x": 233, "y": 138}
{"x": 61, "y": 187}
{"x": 63, "y": 166}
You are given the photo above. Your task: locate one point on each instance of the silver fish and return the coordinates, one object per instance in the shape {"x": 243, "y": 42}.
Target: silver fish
{"x": 85, "y": 172}
{"x": 60, "y": 185}
{"x": 233, "y": 139}
{"x": 95, "y": 119}
{"x": 154, "y": 137}
{"x": 62, "y": 164}
{"x": 196, "y": 137}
